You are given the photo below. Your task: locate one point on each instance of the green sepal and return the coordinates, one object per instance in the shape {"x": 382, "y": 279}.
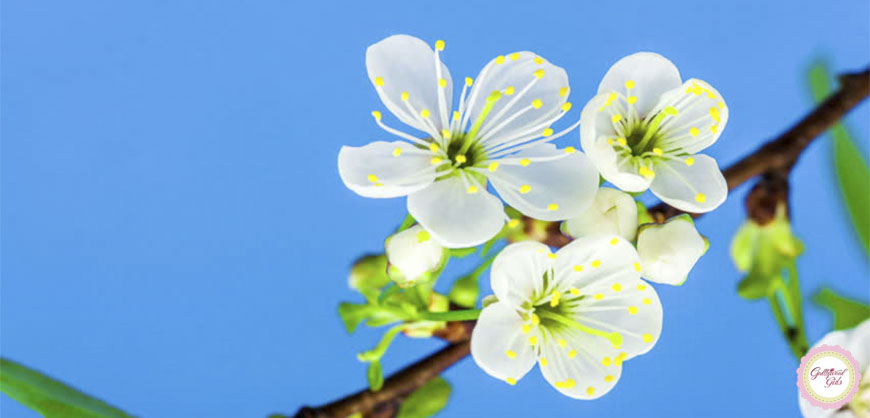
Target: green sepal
{"x": 369, "y": 274}
{"x": 764, "y": 252}
{"x": 643, "y": 214}
{"x": 462, "y": 252}
{"x": 426, "y": 401}
{"x": 408, "y": 222}
{"x": 353, "y": 314}
{"x": 847, "y": 313}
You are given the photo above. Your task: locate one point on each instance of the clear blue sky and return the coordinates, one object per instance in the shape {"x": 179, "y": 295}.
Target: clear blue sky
{"x": 175, "y": 236}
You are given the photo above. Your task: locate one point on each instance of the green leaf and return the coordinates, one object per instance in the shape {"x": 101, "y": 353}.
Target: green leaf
{"x": 847, "y": 313}
{"x": 427, "y": 400}
{"x": 375, "y": 376}
{"x": 353, "y": 314}
{"x": 853, "y": 174}
{"x": 50, "y": 397}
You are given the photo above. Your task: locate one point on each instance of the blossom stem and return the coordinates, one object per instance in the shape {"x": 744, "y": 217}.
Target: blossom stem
{"x": 463, "y": 315}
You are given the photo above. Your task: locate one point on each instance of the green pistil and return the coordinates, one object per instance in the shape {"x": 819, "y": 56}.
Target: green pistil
{"x": 614, "y": 338}
{"x": 472, "y": 134}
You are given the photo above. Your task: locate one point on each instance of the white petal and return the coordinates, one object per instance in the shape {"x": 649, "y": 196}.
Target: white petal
{"x": 514, "y": 72}
{"x": 701, "y": 118}
{"x": 375, "y": 170}
{"x": 413, "y": 252}
{"x": 698, "y": 188}
{"x": 606, "y": 269}
{"x": 611, "y": 213}
{"x": 407, "y": 64}
{"x": 546, "y": 183}
{"x": 578, "y": 369}
{"x": 651, "y": 73}
{"x": 668, "y": 252}
{"x": 518, "y": 271}
{"x": 498, "y": 344}
{"x": 454, "y": 217}
{"x": 597, "y": 136}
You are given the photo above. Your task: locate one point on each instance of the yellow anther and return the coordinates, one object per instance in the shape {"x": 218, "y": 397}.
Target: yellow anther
{"x": 537, "y": 103}
{"x": 569, "y": 383}
{"x": 658, "y": 151}
{"x": 632, "y": 310}
{"x": 721, "y": 104}
{"x": 619, "y": 359}
{"x": 578, "y": 268}
{"x": 536, "y": 320}
{"x": 533, "y": 340}
{"x": 499, "y": 59}
{"x": 423, "y": 236}
{"x": 574, "y": 291}
{"x": 570, "y": 150}
{"x": 690, "y": 161}
{"x": 646, "y": 171}
{"x": 435, "y": 160}
{"x": 572, "y": 354}
{"x": 469, "y": 81}
{"x": 614, "y": 241}
{"x": 442, "y": 82}
{"x": 616, "y": 287}
{"x": 543, "y": 361}
{"x": 671, "y": 111}
{"x": 616, "y": 118}
{"x": 694, "y": 131}
{"x": 590, "y": 390}
{"x": 539, "y": 73}
{"x": 563, "y": 91}
{"x": 376, "y": 115}
{"x": 554, "y": 301}
{"x": 552, "y": 207}
{"x": 379, "y": 81}
{"x": 609, "y": 141}
{"x": 433, "y": 146}
{"x": 525, "y": 188}
{"x": 456, "y": 115}
{"x": 609, "y": 378}
{"x": 647, "y": 338}
{"x": 515, "y": 56}
{"x": 700, "y": 197}
{"x": 472, "y": 190}
{"x": 461, "y": 158}
{"x": 493, "y": 166}
{"x": 697, "y": 90}
{"x": 527, "y": 328}
{"x": 405, "y": 96}
{"x": 511, "y": 354}
{"x": 511, "y": 381}
{"x": 566, "y": 106}
{"x": 637, "y": 269}
{"x": 622, "y": 141}
{"x": 611, "y": 97}
{"x": 562, "y": 343}
{"x": 547, "y": 132}
{"x": 397, "y": 152}
{"x": 445, "y": 133}
{"x": 714, "y": 128}
{"x": 424, "y": 113}
{"x": 439, "y": 45}
{"x": 513, "y": 223}
{"x": 640, "y": 287}
{"x": 373, "y": 178}
{"x": 646, "y": 301}
{"x": 509, "y": 90}
{"x": 606, "y": 361}
{"x": 525, "y": 162}
{"x": 714, "y": 113}
{"x": 539, "y": 60}
{"x": 595, "y": 263}
{"x": 631, "y": 99}
{"x": 629, "y": 84}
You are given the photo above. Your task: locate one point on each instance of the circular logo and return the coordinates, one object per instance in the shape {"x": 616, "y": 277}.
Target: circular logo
{"x": 828, "y": 376}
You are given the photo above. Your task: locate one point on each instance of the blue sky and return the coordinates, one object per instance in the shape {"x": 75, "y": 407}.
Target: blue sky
{"x": 175, "y": 236}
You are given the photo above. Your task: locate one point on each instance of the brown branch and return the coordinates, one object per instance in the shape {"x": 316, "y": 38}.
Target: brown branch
{"x": 774, "y": 160}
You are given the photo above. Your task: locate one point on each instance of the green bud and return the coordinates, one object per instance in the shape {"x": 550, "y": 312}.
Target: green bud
{"x": 426, "y": 401}
{"x": 465, "y": 291}
{"x": 375, "y": 376}
{"x": 369, "y": 272}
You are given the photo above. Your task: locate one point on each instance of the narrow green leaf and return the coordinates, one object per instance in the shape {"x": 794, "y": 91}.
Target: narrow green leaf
{"x": 847, "y": 313}
{"x": 353, "y": 314}
{"x": 375, "y": 376}
{"x": 427, "y": 400}
{"x": 50, "y": 397}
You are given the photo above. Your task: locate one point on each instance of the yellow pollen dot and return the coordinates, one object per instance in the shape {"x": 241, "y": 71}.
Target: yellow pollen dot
{"x": 513, "y": 223}
{"x": 611, "y": 97}
{"x": 543, "y": 361}
{"x": 536, "y": 319}
{"x": 515, "y": 56}
{"x": 397, "y": 152}
{"x": 609, "y": 141}
{"x": 572, "y": 354}
{"x": 551, "y": 256}
{"x": 405, "y": 96}
{"x": 590, "y": 390}
{"x": 552, "y": 206}
{"x": 618, "y": 360}
{"x": 509, "y": 90}
{"x": 499, "y": 59}
{"x": 599, "y": 296}
{"x": 554, "y": 301}
{"x": 640, "y": 287}
{"x": 424, "y": 113}
{"x": 472, "y": 190}
{"x": 538, "y": 60}
{"x": 609, "y": 378}
{"x": 455, "y": 115}
{"x": 493, "y": 166}
{"x": 461, "y": 158}
{"x": 525, "y": 162}
{"x": 622, "y": 141}
{"x": 658, "y": 151}
{"x": 714, "y": 113}
{"x": 632, "y": 99}
{"x": 614, "y": 241}
{"x": 632, "y": 310}
{"x": 694, "y": 131}
{"x": 469, "y": 81}
{"x": 377, "y": 115}
{"x": 373, "y": 178}
{"x": 637, "y": 268}
{"x": 435, "y": 160}
{"x": 439, "y": 45}
{"x": 671, "y": 111}
{"x": 547, "y": 132}
{"x": 721, "y": 104}
{"x": 578, "y": 268}
{"x": 574, "y": 291}
{"x": 566, "y": 106}
{"x": 570, "y": 150}
{"x": 533, "y": 340}
{"x": 646, "y": 172}
{"x": 606, "y": 361}
{"x": 379, "y": 81}
{"x": 423, "y": 236}
{"x": 569, "y": 383}
{"x": 700, "y": 197}
{"x": 511, "y": 354}
{"x": 562, "y": 343}
{"x": 511, "y": 381}
{"x": 596, "y": 263}
{"x": 629, "y": 84}
{"x": 690, "y": 161}
{"x": 526, "y": 329}
{"x": 714, "y": 128}
{"x": 647, "y": 338}
{"x": 616, "y": 287}
{"x": 539, "y": 72}
{"x": 445, "y": 134}
{"x": 563, "y": 91}
{"x": 616, "y": 118}
{"x": 646, "y": 301}
{"x": 442, "y": 82}
{"x": 537, "y": 103}
{"x": 433, "y": 146}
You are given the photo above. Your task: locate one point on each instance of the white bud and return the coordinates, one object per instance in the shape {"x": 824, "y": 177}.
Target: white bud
{"x": 612, "y": 212}
{"x": 669, "y": 251}
{"x": 414, "y": 253}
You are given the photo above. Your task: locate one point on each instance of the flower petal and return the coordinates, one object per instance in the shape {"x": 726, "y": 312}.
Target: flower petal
{"x": 697, "y": 187}
{"x": 518, "y": 271}
{"x": 454, "y": 217}
{"x": 578, "y": 369}
{"x": 403, "y": 64}
{"x": 701, "y": 118}
{"x": 385, "y": 169}
{"x": 668, "y": 252}
{"x": 516, "y": 76}
{"x": 611, "y": 213}
{"x": 649, "y": 75}
{"x": 413, "y": 252}
{"x": 546, "y": 183}
{"x": 498, "y": 344}
{"x": 606, "y": 269}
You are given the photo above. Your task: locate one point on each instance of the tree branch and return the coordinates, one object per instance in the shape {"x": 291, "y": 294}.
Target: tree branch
{"x": 776, "y": 157}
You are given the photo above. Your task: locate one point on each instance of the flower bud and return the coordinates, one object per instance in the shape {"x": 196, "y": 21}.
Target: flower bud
{"x": 612, "y": 212}
{"x": 670, "y": 250}
{"x": 412, "y": 255}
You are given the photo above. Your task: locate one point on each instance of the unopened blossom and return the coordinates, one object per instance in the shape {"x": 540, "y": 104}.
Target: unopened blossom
{"x": 857, "y": 342}
{"x": 646, "y": 126}
{"x": 412, "y": 255}
{"x": 670, "y": 250}
{"x": 612, "y": 212}
{"x": 580, "y": 313}
{"x": 498, "y": 132}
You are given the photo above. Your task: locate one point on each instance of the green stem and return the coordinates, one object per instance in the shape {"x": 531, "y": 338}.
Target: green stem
{"x": 381, "y": 348}
{"x": 463, "y": 315}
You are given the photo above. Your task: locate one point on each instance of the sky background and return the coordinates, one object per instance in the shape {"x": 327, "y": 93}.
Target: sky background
{"x": 176, "y": 238}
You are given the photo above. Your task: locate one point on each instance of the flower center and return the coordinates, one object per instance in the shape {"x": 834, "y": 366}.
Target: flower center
{"x": 464, "y": 152}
